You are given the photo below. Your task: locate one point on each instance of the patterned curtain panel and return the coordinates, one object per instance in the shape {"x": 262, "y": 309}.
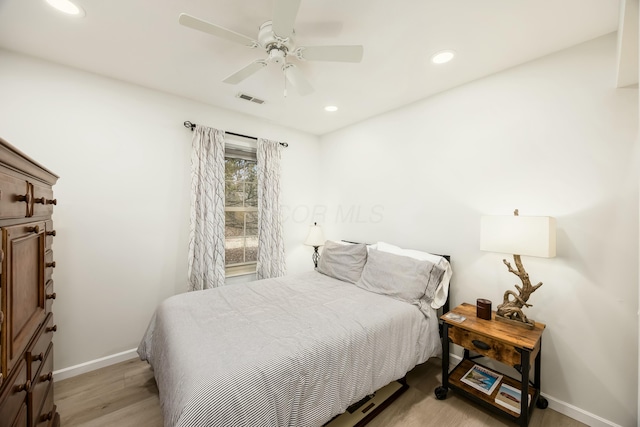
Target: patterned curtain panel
{"x": 206, "y": 232}
{"x": 271, "y": 262}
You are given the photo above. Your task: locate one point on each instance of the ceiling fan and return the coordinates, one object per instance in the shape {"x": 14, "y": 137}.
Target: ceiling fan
{"x": 277, "y": 38}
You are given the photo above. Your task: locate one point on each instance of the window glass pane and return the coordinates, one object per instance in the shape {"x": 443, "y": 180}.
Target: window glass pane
{"x": 233, "y": 193}
{"x": 251, "y": 249}
{"x": 251, "y": 194}
{"x": 252, "y": 223}
{"x": 252, "y": 171}
{"x": 241, "y": 198}
{"x": 233, "y": 250}
{"x": 234, "y": 224}
{"x": 240, "y": 170}
{"x": 233, "y": 169}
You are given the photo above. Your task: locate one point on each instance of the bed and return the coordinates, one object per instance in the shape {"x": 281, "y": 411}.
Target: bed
{"x": 295, "y": 350}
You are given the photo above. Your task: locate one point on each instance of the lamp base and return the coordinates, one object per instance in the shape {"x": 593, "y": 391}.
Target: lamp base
{"x": 529, "y": 324}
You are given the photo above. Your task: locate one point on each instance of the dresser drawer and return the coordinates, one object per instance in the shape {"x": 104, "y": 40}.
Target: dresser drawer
{"x": 42, "y": 201}
{"x": 13, "y": 402}
{"x": 15, "y": 197}
{"x": 38, "y": 351}
{"x": 41, "y": 385}
{"x": 50, "y": 233}
{"x": 47, "y": 415}
{"x": 485, "y": 346}
{"x": 49, "y": 265}
{"x": 49, "y": 296}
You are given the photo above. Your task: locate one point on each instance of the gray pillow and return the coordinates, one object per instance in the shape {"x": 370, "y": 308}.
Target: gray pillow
{"x": 401, "y": 277}
{"x": 343, "y": 262}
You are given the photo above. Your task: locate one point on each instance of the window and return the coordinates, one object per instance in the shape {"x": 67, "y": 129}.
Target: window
{"x": 241, "y": 211}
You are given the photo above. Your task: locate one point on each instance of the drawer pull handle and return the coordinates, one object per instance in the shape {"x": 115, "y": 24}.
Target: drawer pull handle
{"x": 40, "y": 200}
{"x": 52, "y": 296}
{"x": 53, "y": 328}
{"x": 24, "y": 198}
{"x": 52, "y": 202}
{"x": 23, "y": 387}
{"x": 38, "y": 357}
{"x": 35, "y": 229}
{"x": 47, "y": 417}
{"x": 51, "y": 264}
{"x": 47, "y": 377}
{"x": 481, "y": 345}
{"x": 51, "y": 233}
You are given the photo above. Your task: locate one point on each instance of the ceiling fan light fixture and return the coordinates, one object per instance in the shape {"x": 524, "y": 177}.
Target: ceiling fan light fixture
{"x": 277, "y": 55}
{"x": 443, "y": 56}
{"x": 68, "y": 7}
{"x": 331, "y": 108}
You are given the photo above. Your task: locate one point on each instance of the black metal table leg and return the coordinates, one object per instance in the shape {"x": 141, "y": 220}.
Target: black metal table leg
{"x": 524, "y": 392}
{"x": 542, "y": 402}
{"x": 441, "y": 391}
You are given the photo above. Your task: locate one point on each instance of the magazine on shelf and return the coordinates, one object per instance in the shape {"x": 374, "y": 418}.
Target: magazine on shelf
{"x": 509, "y": 397}
{"x": 455, "y": 317}
{"x": 482, "y": 379}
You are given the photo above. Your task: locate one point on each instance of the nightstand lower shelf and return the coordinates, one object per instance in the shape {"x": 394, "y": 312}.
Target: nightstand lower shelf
{"x": 486, "y": 400}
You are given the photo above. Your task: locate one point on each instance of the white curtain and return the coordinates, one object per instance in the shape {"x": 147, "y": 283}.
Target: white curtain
{"x": 206, "y": 231}
{"x": 271, "y": 262}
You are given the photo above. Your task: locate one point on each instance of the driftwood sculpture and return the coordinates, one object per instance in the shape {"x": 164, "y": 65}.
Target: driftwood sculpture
{"x": 512, "y": 303}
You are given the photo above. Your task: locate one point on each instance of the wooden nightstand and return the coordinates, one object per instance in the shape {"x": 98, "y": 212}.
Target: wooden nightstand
{"x": 512, "y": 345}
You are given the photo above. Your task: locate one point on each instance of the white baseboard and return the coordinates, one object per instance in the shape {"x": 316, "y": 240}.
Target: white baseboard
{"x": 92, "y": 365}
{"x": 578, "y": 414}
{"x": 558, "y": 405}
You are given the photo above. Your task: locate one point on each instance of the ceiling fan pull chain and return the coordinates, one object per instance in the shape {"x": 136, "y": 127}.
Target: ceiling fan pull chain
{"x": 284, "y": 76}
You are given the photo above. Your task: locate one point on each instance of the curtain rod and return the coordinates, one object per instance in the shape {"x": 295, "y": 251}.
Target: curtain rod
{"x": 192, "y": 126}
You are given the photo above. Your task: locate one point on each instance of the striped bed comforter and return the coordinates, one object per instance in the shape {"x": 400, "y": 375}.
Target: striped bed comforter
{"x": 291, "y": 351}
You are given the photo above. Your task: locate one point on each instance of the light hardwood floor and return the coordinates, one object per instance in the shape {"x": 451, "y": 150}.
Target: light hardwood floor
{"x": 125, "y": 395}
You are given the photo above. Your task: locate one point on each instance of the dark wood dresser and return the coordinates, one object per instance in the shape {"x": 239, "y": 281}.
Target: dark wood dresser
{"x": 26, "y": 291}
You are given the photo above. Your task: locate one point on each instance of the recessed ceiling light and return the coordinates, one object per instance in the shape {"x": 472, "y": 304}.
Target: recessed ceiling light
{"x": 442, "y": 56}
{"x": 331, "y": 108}
{"x": 67, "y": 7}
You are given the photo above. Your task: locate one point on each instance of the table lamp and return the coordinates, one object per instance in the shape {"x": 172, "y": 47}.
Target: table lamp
{"x": 315, "y": 238}
{"x": 518, "y": 235}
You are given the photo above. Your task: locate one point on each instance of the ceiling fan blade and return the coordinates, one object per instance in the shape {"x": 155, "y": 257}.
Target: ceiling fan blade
{"x": 331, "y": 53}
{"x": 216, "y": 30}
{"x": 247, "y": 71}
{"x": 297, "y": 79}
{"x": 284, "y": 17}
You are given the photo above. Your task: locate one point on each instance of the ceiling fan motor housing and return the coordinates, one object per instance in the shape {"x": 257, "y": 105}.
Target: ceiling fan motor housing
{"x": 276, "y": 47}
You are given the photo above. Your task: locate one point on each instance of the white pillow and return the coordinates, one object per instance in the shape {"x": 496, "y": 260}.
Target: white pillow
{"x": 442, "y": 291}
{"x": 342, "y": 261}
{"x": 401, "y": 277}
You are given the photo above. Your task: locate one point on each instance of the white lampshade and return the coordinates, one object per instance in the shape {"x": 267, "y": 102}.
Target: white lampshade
{"x": 519, "y": 235}
{"x": 315, "y": 236}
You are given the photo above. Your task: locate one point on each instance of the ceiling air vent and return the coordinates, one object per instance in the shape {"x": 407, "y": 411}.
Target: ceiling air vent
{"x": 250, "y": 98}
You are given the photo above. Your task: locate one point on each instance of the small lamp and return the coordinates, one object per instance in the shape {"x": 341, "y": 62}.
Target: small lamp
{"x": 518, "y": 235}
{"x": 315, "y": 238}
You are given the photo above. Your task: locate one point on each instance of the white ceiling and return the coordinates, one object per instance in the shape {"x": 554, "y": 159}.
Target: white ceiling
{"x": 141, "y": 42}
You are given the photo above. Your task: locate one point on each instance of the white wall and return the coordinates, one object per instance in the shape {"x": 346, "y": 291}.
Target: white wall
{"x": 552, "y": 137}
{"x": 123, "y": 158}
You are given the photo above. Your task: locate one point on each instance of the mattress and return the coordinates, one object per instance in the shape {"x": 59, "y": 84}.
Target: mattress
{"x": 290, "y": 351}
